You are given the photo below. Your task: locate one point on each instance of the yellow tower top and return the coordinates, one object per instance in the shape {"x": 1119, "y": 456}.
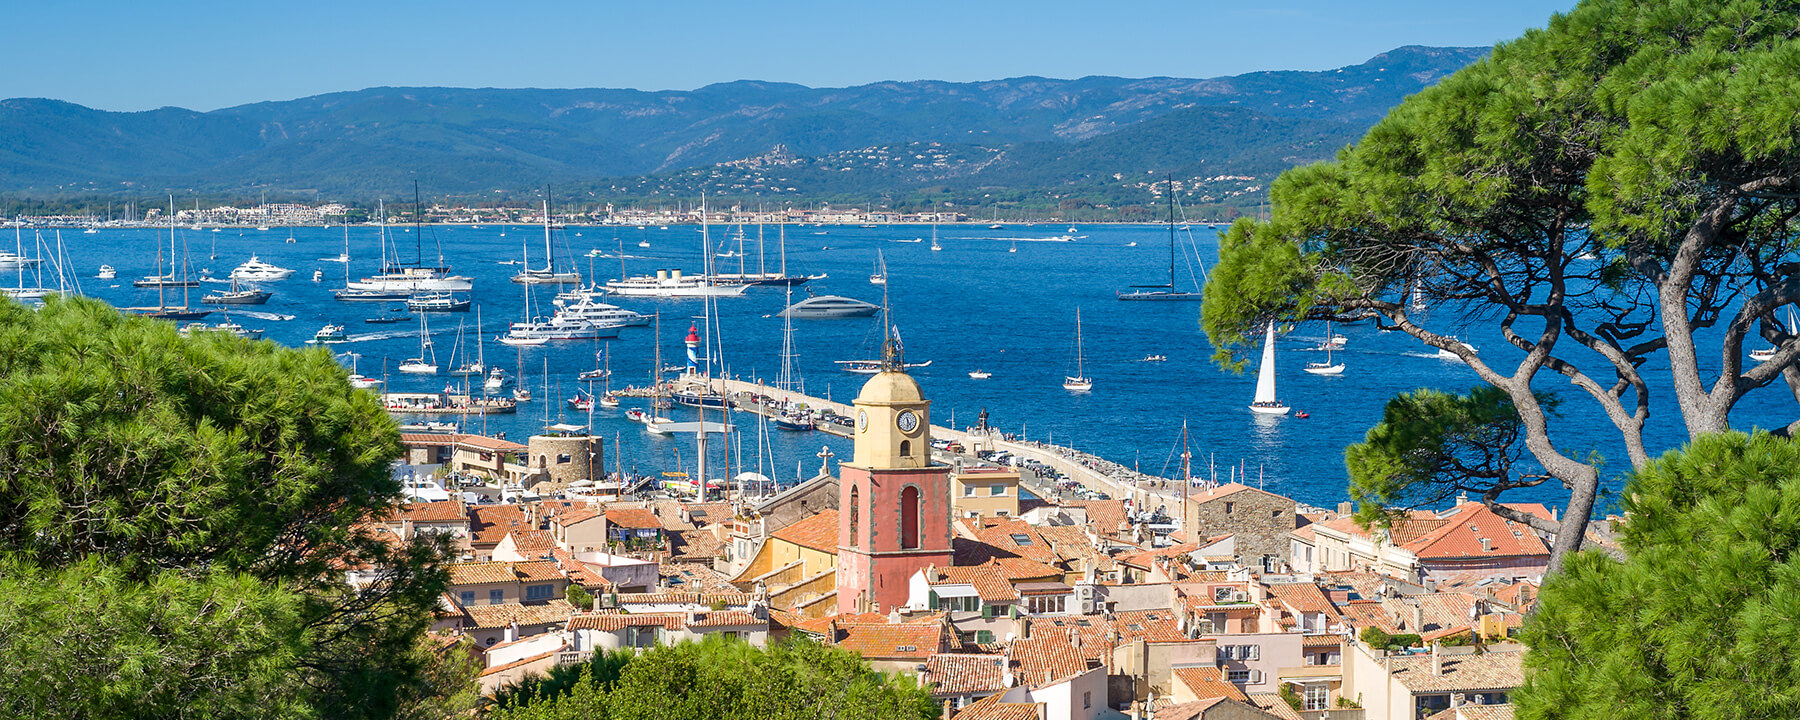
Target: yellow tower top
{"x": 893, "y": 423}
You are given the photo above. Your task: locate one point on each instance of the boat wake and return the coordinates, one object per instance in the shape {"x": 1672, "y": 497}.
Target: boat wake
{"x": 260, "y": 315}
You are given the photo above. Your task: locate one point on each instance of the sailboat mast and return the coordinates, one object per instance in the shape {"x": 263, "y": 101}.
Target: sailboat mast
{"x": 549, "y": 258}
{"x": 1171, "y": 233}
{"x": 418, "y": 228}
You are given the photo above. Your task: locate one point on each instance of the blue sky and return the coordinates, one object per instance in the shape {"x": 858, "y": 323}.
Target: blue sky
{"x": 206, "y": 55}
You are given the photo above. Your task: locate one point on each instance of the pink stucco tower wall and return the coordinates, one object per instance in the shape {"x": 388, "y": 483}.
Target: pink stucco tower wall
{"x": 893, "y": 504}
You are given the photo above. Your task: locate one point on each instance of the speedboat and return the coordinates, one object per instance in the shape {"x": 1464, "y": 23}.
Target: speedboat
{"x": 328, "y": 335}
{"x": 827, "y": 307}
{"x": 581, "y": 401}
{"x": 362, "y": 382}
{"x": 107, "y": 272}
{"x": 587, "y": 310}
{"x": 1155, "y": 358}
{"x": 980, "y": 374}
{"x": 496, "y": 378}
{"x": 237, "y": 296}
{"x": 257, "y": 270}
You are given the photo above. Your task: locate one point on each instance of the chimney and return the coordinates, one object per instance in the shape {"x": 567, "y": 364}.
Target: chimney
{"x": 1418, "y": 618}
{"x": 512, "y": 633}
{"x": 1025, "y": 627}
{"x": 1346, "y": 509}
{"x": 1437, "y": 659}
{"x": 1487, "y": 545}
{"x": 596, "y": 603}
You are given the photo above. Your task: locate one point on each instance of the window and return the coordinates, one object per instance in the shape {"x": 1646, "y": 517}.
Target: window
{"x": 1087, "y": 700}
{"x": 1228, "y": 507}
{"x": 1275, "y": 513}
{"x": 996, "y": 490}
{"x": 1021, "y": 539}
{"x": 905, "y": 448}
{"x": 468, "y": 597}
{"x": 537, "y": 592}
{"x": 855, "y": 515}
{"x": 493, "y": 641}
{"x": 959, "y": 604}
{"x": 496, "y": 597}
{"x": 562, "y": 459}
{"x": 1237, "y": 676}
{"x": 984, "y": 636}
{"x": 909, "y": 517}
{"x": 1215, "y": 623}
{"x": 1317, "y": 697}
{"x": 968, "y": 490}
{"x": 1045, "y": 604}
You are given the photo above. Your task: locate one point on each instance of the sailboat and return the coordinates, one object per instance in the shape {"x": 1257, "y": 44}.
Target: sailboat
{"x": 426, "y": 362}
{"x": 467, "y": 367}
{"x": 548, "y": 275}
{"x": 934, "y": 243}
{"x": 880, "y": 275}
{"x": 162, "y": 283}
{"x": 1168, "y": 291}
{"x": 1265, "y": 402}
{"x": 1079, "y": 382}
{"x": 1332, "y": 342}
{"x": 1764, "y": 354}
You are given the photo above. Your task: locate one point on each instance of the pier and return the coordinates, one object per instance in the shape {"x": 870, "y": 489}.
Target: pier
{"x": 1146, "y": 492}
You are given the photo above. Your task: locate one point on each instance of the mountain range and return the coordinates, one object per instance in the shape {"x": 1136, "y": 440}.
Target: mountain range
{"x": 1074, "y": 138}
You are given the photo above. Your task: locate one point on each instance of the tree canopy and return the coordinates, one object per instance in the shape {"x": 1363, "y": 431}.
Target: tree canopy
{"x": 1599, "y": 191}
{"x": 176, "y": 519}
{"x": 721, "y": 679}
{"x": 1698, "y": 621}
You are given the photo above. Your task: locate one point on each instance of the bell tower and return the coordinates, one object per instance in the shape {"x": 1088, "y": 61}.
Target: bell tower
{"x": 894, "y": 504}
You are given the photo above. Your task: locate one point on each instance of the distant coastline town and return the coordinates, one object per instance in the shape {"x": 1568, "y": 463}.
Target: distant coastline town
{"x": 302, "y": 215}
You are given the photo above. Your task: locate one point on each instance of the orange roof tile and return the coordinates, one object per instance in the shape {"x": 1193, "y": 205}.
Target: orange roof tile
{"x": 531, "y": 541}
{"x": 1273, "y": 704}
{"x": 479, "y": 573}
{"x": 1303, "y": 597}
{"x": 433, "y": 512}
{"x": 917, "y": 641}
{"x": 1152, "y": 626}
{"x": 1462, "y": 534}
{"x": 819, "y": 532}
{"x": 1227, "y": 489}
{"x": 1462, "y": 673}
{"x": 988, "y": 580}
{"x": 636, "y": 518}
{"x": 1001, "y": 711}
{"x": 489, "y": 444}
{"x": 957, "y": 674}
{"x": 555, "y": 611}
{"x": 1209, "y": 682}
{"x": 571, "y": 517}
{"x": 1051, "y": 653}
{"x": 538, "y": 571}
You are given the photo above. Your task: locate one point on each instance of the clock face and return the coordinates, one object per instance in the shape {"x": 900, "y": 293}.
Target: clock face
{"x": 862, "y": 419}
{"x": 908, "y": 421}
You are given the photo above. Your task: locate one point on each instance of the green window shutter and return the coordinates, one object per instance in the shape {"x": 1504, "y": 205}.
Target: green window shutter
{"x": 987, "y": 611}
{"x": 931, "y": 600}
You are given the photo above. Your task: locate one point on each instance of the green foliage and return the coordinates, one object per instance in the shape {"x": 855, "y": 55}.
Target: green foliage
{"x": 91, "y": 641}
{"x": 1698, "y": 621}
{"x": 1380, "y": 639}
{"x": 579, "y": 597}
{"x": 601, "y": 671}
{"x": 1291, "y": 698}
{"x": 1431, "y": 445}
{"x": 724, "y": 679}
{"x": 196, "y": 499}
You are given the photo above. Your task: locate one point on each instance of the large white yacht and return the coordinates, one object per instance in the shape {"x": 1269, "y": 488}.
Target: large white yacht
{"x": 601, "y": 313}
{"x": 257, "y": 270}
{"x": 414, "y": 279}
{"x": 671, "y": 283}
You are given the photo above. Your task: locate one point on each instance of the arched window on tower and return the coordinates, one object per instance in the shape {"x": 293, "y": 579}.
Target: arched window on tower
{"x": 909, "y": 517}
{"x": 855, "y": 515}
{"x": 905, "y": 448}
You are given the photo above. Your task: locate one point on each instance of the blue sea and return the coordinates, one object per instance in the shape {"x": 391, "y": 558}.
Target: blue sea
{"x": 976, "y": 304}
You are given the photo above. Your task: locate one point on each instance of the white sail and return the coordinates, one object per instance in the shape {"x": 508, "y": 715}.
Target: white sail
{"x": 1265, "y": 377}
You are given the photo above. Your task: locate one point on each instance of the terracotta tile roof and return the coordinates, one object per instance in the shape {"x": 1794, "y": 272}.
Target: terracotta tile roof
{"x": 481, "y": 573}
{"x": 1462, "y": 534}
{"x": 990, "y": 708}
{"x": 519, "y": 663}
{"x": 1104, "y": 516}
{"x": 1488, "y": 671}
{"x": 635, "y": 518}
{"x": 426, "y": 439}
{"x": 1475, "y": 712}
{"x": 1442, "y": 633}
{"x": 1209, "y": 682}
{"x": 819, "y": 532}
{"x": 1166, "y": 710}
{"x": 614, "y": 622}
{"x": 697, "y": 545}
{"x": 1017, "y": 569}
{"x": 1015, "y": 537}
{"x": 531, "y": 541}
{"x": 1152, "y": 626}
{"x": 989, "y": 582}
{"x": 948, "y": 674}
{"x": 1520, "y": 595}
{"x": 696, "y": 577}
{"x": 1321, "y": 641}
{"x": 1272, "y": 704}
{"x": 432, "y": 512}
{"x": 481, "y": 617}
{"x": 1228, "y": 489}
{"x": 1304, "y": 597}
{"x": 1305, "y": 533}
{"x": 489, "y": 444}
{"x": 1368, "y": 613}
{"x": 538, "y": 571}
{"x": 730, "y": 599}
{"x": 571, "y": 517}
{"x": 911, "y": 641}
{"x": 1143, "y": 558}
{"x": 489, "y": 524}
{"x": 1051, "y": 653}
{"x": 578, "y": 571}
